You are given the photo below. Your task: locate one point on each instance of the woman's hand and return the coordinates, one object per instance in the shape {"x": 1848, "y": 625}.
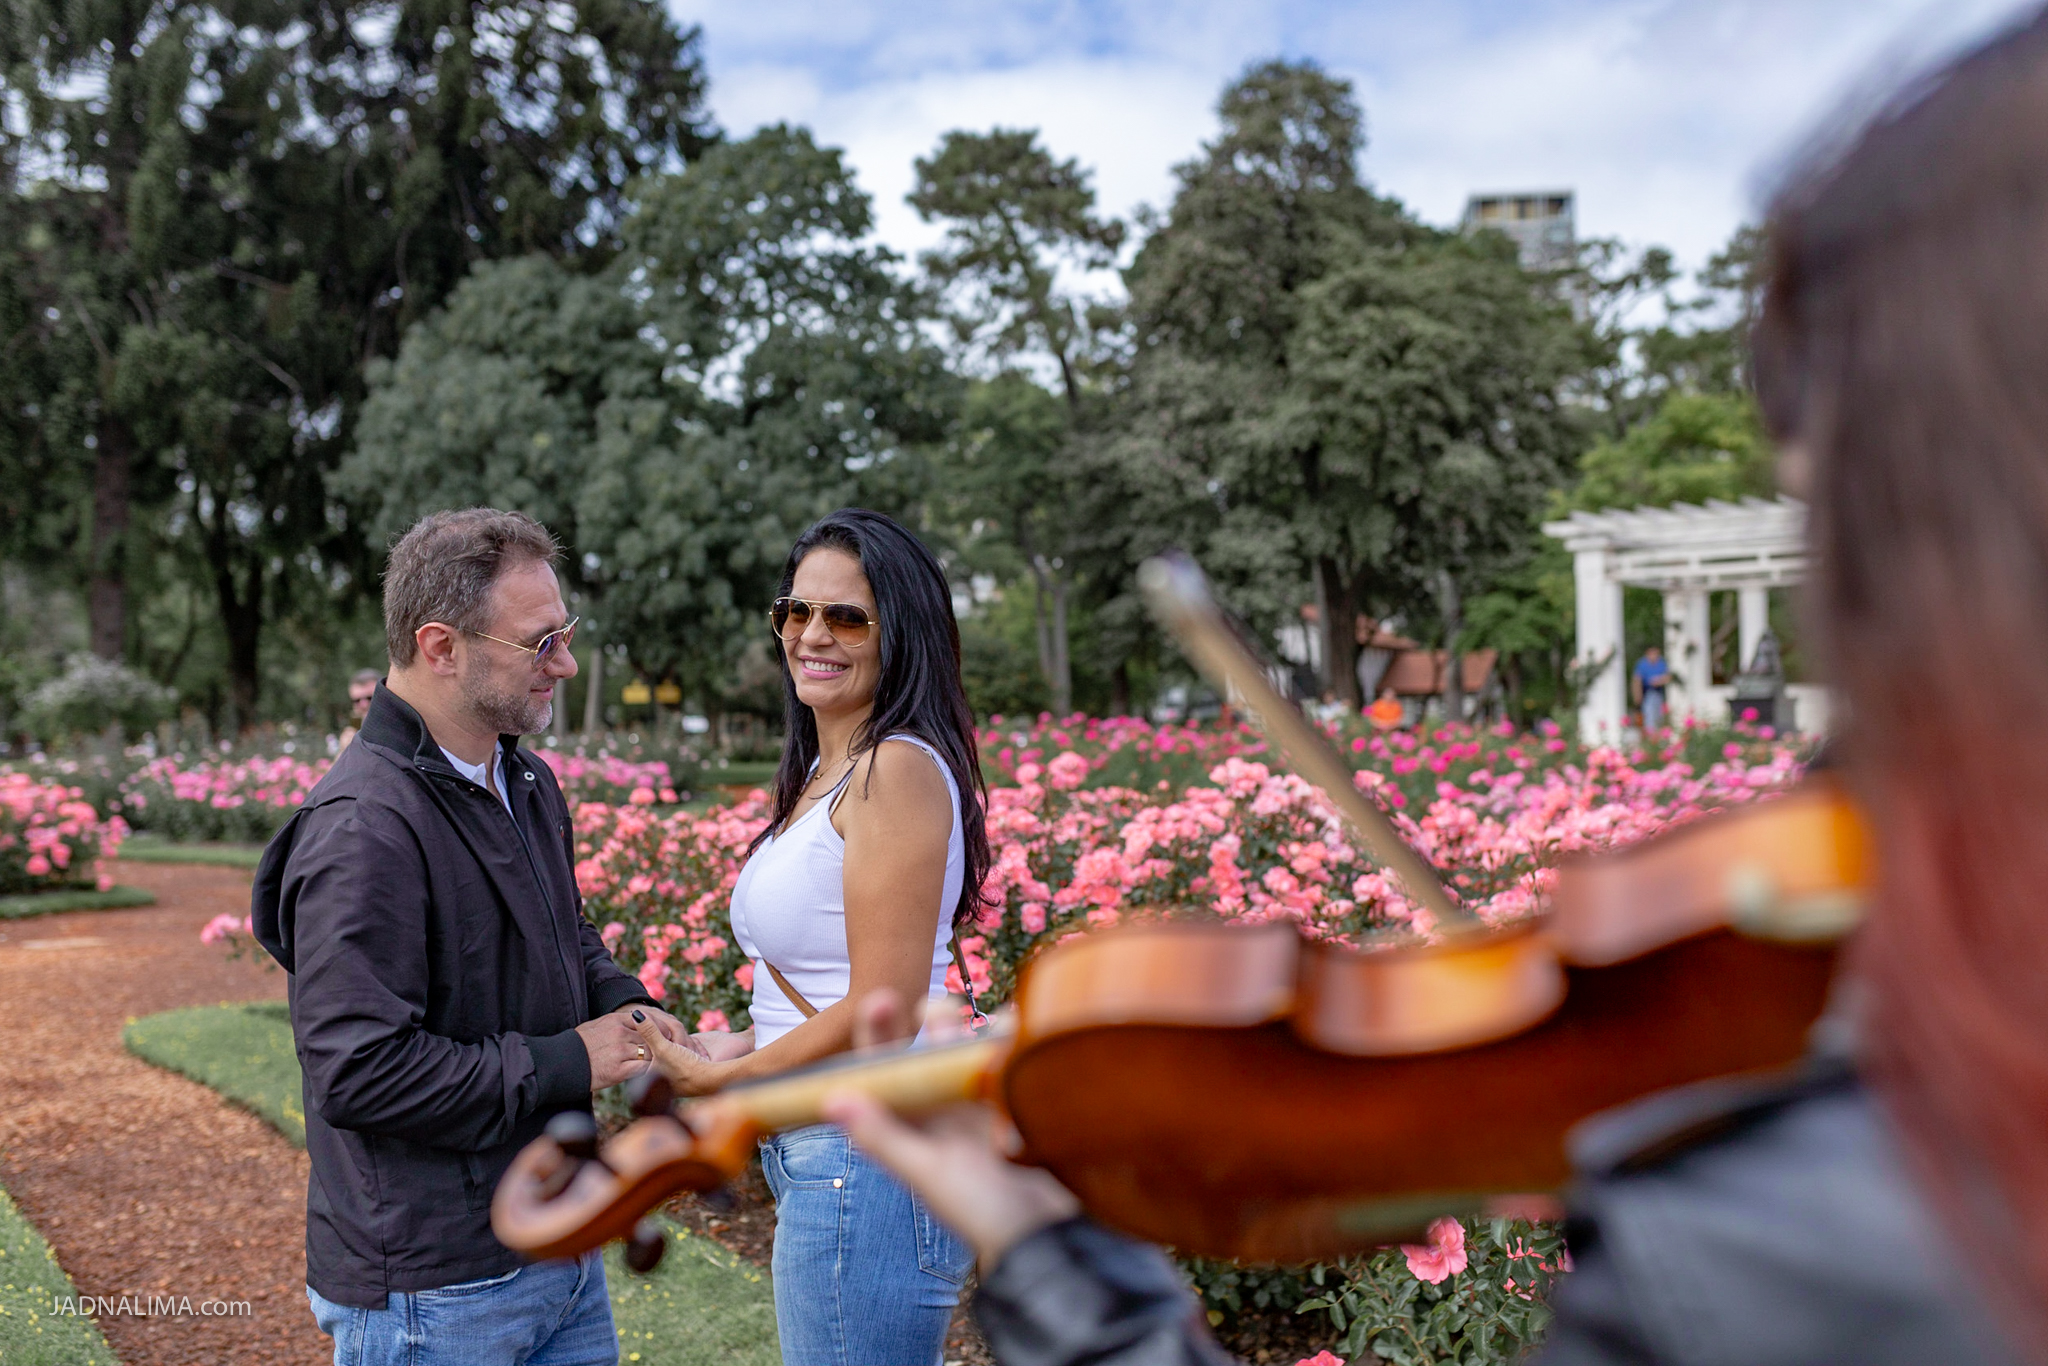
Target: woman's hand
{"x": 685, "y": 1064}
{"x": 722, "y": 1046}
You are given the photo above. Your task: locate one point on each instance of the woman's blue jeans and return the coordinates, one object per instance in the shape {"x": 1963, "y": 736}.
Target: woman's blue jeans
{"x": 864, "y": 1275}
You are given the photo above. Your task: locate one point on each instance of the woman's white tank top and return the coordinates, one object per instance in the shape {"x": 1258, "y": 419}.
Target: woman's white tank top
{"x": 789, "y": 909}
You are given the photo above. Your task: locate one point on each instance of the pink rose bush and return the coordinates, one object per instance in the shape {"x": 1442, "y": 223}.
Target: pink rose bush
{"x": 606, "y": 777}
{"x": 1477, "y": 1291}
{"x": 51, "y": 837}
{"x": 229, "y": 929}
{"x": 219, "y": 799}
{"x": 660, "y": 886}
{"x": 246, "y": 799}
{"x": 1493, "y": 810}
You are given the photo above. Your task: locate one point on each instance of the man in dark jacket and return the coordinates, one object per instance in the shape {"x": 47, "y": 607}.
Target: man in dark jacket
{"x": 447, "y": 995}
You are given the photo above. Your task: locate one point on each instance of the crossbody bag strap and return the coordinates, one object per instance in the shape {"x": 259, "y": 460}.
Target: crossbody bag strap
{"x": 980, "y": 1021}
{"x": 796, "y": 998}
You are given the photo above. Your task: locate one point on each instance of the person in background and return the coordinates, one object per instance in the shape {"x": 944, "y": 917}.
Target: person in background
{"x": 876, "y": 852}
{"x": 1883, "y": 1204}
{"x": 361, "y": 689}
{"x": 1652, "y": 677}
{"x": 1386, "y": 712}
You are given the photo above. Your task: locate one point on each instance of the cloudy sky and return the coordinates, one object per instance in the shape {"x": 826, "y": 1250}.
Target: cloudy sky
{"x": 1664, "y": 115}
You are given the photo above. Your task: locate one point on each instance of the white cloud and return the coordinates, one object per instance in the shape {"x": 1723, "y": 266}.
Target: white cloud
{"x": 1659, "y": 113}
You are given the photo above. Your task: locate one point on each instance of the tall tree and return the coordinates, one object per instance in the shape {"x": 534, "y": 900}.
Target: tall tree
{"x": 1430, "y": 377}
{"x": 1359, "y": 406}
{"x": 1021, "y": 233}
{"x": 1273, "y": 205}
{"x": 743, "y": 365}
{"x": 235, "y": 208}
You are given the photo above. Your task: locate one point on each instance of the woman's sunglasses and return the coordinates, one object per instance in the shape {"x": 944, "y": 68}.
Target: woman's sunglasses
{"x": 543, "y": 649}
{"x": 848, "y": 622}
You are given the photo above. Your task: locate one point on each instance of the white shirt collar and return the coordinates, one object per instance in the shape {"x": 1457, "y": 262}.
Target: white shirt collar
{"x": 475, "y": 772}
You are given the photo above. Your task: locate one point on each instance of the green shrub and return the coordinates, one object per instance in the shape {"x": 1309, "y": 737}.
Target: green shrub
{"x": 93, "y": 694}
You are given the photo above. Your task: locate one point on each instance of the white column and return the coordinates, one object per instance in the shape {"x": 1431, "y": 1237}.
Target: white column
{"x": 1753, "y": 617}
{"x": 1604, "y": 704}
{"x": 1686, "y": 642}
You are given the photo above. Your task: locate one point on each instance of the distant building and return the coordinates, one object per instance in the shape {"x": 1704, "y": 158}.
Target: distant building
{"x": 1541, "y": 222}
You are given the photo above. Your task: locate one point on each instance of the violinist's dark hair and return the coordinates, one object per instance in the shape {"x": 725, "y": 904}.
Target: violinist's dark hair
{"x": 1902, "y": 359}
{"x": 919, "y": 692}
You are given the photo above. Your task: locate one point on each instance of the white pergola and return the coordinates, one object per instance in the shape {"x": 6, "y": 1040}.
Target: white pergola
{"x": 1687, "y": 552}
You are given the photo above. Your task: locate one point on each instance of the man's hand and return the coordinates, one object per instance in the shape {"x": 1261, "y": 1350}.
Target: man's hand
{"x": 671, "y": 1028}
{"x": 616, "y": 1052}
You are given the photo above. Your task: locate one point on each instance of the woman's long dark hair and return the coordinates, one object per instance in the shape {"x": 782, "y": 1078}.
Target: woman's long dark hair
{"x": 1903, "y": 352}
{"x": 919, "y": 692}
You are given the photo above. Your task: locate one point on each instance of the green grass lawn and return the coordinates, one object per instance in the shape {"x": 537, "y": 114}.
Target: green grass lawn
{"x": 30, "y": 1281}
{"x": 702, "y": 1306}
{"x": 156, "y": 849}
{"x": 72, "y": 899}
{"x": 751, "y": 773}
{"x": 242, "y": 1051}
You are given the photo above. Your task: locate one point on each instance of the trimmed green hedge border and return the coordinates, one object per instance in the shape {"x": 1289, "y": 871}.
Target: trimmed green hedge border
{"x": 26, "y": 904}
{"x": 156, "y": 849}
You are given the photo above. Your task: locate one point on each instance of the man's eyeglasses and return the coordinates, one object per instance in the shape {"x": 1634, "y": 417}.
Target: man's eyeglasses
{"x": 848, "y": 622}
{"x": 543, "y": 649}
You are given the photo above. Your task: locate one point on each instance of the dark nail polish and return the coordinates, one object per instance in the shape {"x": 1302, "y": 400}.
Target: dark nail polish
{"x": 638, "y": 1018}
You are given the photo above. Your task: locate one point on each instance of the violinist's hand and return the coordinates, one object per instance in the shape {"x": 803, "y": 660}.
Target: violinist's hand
{"x": 955, "y": 1158}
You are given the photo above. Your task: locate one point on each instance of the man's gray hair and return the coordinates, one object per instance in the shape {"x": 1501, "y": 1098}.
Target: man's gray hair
{"x": 444, "y": 568}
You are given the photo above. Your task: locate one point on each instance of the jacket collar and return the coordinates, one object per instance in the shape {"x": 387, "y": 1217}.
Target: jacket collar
{"x": 393, "y": 724}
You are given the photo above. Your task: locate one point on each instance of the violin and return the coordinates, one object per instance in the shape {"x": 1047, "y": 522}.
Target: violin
{"x": 1246, "y": 1091}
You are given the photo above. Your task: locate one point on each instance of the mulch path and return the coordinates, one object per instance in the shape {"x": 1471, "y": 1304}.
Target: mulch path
{"x": 146, "y": 1183}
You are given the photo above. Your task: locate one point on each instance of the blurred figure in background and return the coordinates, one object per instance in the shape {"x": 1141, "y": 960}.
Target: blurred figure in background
{"x": 1886, "y": 1204}
{"x": 1386, "y": 712}
{"x": 1652, "y": 677}
{"x": 361, "y": 689}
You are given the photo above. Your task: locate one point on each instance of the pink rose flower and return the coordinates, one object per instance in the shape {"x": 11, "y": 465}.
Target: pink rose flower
{"x": 1443, "y": 1258}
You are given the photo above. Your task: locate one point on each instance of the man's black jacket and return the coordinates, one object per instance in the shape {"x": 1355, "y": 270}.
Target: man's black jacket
{"x": 440, "y": 964}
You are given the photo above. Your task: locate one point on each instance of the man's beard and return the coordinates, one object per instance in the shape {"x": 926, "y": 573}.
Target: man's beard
{"x": 505, "y": 710}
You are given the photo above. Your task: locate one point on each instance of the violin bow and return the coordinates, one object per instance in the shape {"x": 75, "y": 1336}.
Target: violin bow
{"x": 1178, "y": 593}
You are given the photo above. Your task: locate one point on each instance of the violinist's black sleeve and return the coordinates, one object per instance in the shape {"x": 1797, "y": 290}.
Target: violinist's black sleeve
{"x": 1075, "y": 1294}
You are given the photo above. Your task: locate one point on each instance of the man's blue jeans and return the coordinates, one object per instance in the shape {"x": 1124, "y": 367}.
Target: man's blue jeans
{"x": 546, "y": 1314}
{"x": 864, "y": 1275}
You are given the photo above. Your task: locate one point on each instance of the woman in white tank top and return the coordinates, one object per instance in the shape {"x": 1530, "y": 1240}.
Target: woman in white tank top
{"x": 877, "y": 848}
